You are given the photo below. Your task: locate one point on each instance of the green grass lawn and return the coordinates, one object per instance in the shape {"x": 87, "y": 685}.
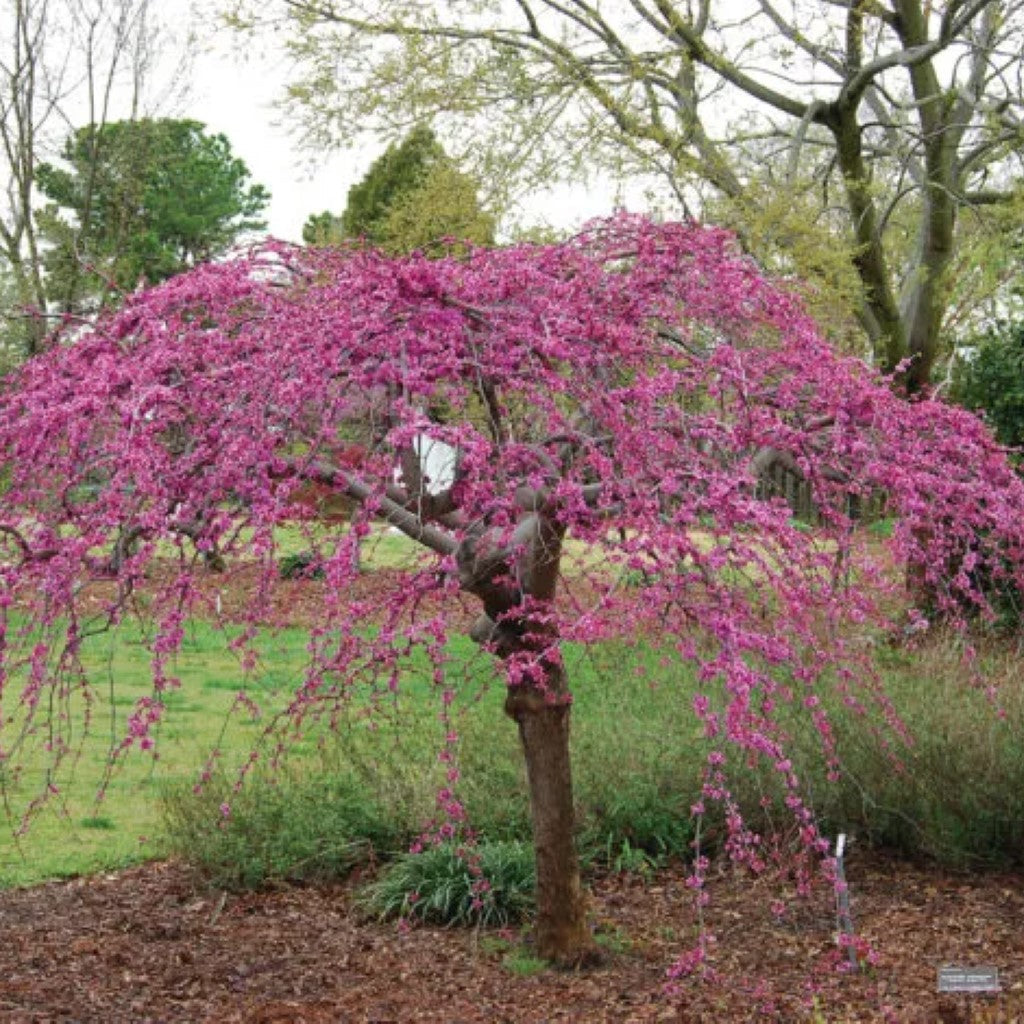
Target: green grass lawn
{"x": 73, "y": 834}
{"x": 384, "y": 548}
{"x": 638, "y": 751}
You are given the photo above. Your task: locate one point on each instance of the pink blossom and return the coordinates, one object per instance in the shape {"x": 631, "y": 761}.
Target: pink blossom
{"x": 622, "y": 391}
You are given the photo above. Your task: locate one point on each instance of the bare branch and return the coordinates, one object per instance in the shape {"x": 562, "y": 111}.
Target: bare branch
{"x": 28, "y": 555}
{"x": 390, "y": 510}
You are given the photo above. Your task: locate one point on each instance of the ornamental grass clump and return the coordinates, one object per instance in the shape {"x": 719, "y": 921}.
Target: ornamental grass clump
{"x": 294, "y": 828}
{"x": 489, "y": 884}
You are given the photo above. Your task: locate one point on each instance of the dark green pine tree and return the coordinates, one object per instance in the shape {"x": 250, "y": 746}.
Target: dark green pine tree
{"x": 400, "y": 171}
{"x": 412, "y": 196}
{"x": 141, "y": 201}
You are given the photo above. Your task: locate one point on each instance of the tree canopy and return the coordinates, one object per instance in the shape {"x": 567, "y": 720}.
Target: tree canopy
{"x": 612, "y": 401}
{"x": 413, "y": 195}
{"x": 141, "y": 201}
{"x": 888, "y": 119}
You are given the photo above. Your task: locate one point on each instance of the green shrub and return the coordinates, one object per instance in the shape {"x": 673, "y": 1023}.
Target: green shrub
{"x": 523, "y": 964}
{"x": 882, "y": 528}
{"x": 637, "y": 767}
{"x": 635, "y": 819}
{"x": 442, "y": 885}
{"x": 637, "y": 761}
{"x": 635, "y": 815}
{"x": 297, "y": 828}
{"x": 303, "y": 565}
{"x": 990, "y": 379}
{"x": 959, "y": 798}
{"x": 493, "y": 784}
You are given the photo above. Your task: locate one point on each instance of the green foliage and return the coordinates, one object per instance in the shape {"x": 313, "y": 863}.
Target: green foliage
{"x": 881, "y": 528}
{"x": 783, "y": 224}
{"x": 990, "y": 379}
{"x": 18, "y": 331}
{"x": 392, "y": 176}
{"x": 957, "y": 797}
{"x": 60, "y": 842}
{"x": 322, "y": 229}
{"x": 634, "y": 817}
{"x": 302, "y": 565}
{"x": 412, "y": 197}
{"x": 443, "y": 885}
{"x": 293, "y": 828}
{"x": 641, "y": 820}
{"x": 640, "y": 813}
{"x": 444, "y": 205}
{"x": 141, "y": 200}
{"x": 523, "y": 964}
{"x": 515, "y": 956}
{"x": 627, "y": 859}
{"x": 614, "y": 940}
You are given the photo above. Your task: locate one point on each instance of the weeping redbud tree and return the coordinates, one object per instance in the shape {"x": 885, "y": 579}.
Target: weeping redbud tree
{"x": 612, "y": 406}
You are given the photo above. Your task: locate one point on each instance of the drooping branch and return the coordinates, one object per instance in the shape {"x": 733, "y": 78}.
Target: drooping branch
{"x": 390, "y": 505}
{"x": 608, "y": 412}
{"x": 649, "y": 79}
{"x": 27, "y": 552}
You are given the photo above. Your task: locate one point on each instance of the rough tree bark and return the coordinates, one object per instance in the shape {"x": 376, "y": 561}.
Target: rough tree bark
{"x": 561, "y": 933}
{"x": 515, "y": 582}
{"x": 516, "y": 579}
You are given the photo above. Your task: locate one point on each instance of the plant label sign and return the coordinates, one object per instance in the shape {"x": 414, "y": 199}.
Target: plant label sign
{"x": 969, "y": 979}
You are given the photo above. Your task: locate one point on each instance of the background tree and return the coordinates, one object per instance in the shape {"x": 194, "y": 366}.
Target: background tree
{"x": 990, "y": 378}
{"x": 18, "y": 331}
{"x": 399, "y": 171}
{"x": 612, "y": 401}
{"x": 141, "y": 201}
{"x": 65, "y": 61}
{"x": 413, "y": 195}
{"x": 322, "y": 229}
{"x": 904, "y": 113}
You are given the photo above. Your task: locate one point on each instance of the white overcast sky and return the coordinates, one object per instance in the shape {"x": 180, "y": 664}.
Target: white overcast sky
{"x": 237, "y": 98}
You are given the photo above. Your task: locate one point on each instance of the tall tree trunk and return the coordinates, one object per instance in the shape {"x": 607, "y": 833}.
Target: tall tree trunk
{"x": 879, "y": 313}
{"x": 560, "y": 932}
{"x": 943, "y": 123}
{"x": 541, "y": 709}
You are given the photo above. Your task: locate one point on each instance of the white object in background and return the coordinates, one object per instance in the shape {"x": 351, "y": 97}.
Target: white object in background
{"x": 437, "y": 463}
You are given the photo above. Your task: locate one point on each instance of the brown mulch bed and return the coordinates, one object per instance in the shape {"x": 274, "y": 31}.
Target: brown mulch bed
{"x": 149, "y": 945}
{"x": 152, "y": 945}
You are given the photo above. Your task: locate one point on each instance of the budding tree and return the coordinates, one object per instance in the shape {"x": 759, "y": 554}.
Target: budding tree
{"x": 897, "y": 121}
{"x": 612, "y": 401}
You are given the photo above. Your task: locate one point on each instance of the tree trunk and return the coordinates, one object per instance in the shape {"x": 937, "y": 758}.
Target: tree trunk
{"x": 542, "y": 712}
{"x": 560, "y": 929}
{"x": 880, "y": 313}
